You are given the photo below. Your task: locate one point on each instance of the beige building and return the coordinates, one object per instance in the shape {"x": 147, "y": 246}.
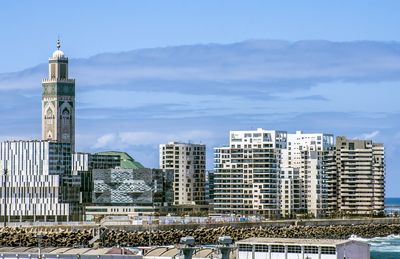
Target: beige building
{"x": 188, "y": 163}
{"x": 360, "y": 179}
{"x": 58, "y": 101}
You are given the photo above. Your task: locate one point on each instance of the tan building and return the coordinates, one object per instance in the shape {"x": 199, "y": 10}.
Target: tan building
{"x": 360, "y": 179}
{"x": 58, "y": 101}
{"x": 188, "y": 163}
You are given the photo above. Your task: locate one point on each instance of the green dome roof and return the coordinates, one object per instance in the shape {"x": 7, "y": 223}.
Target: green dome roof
{"x": 127, "y": 162}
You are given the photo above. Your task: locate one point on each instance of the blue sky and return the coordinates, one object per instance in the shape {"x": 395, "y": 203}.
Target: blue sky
{"x": 29, "y": 27}
{"x": 203, "y": 72}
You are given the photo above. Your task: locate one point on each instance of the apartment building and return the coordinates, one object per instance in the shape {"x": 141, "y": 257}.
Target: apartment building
{"x": 291, "y": 192}
{"x": 188, "y": 163}
{"x": 246, "y": 177}
{"x": 360, "y": 179}
{"x": 306, "y": 153}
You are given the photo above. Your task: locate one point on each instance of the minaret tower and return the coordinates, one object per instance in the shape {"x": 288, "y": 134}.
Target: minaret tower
{"x": 58, "y": 101}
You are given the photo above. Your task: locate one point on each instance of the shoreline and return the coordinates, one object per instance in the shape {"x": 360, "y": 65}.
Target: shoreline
{"x": 126, "y": 236}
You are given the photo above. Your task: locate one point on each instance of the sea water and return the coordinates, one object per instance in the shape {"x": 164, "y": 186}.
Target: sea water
{"x": 383, "y": 247}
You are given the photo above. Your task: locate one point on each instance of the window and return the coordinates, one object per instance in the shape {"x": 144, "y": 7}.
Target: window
{"x": 327, "y": 250}
{"x": 63, "y": 71}
{"x": 53, "y": 70}
{"x": 261, "y": 248}
{"x": 277, "y": 249}
{"x": 311, "y": 250}
{"x": 294, "y": 249}
{"x": 245, "y": 248}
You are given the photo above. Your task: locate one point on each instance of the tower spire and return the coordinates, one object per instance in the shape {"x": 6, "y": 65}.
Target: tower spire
{"x": 58, "y": 43}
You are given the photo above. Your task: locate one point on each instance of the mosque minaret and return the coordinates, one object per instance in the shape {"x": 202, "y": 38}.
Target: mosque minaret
{"x": 58, "y": 101}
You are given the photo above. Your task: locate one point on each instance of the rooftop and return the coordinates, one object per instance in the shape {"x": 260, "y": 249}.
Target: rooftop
{"x": 127, "y": 162}
{"x": 66, "y": 251}
{"x": 294, "y": 241}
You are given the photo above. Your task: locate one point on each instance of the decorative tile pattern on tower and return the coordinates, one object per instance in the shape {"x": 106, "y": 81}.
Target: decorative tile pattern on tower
{"x": 58, "y": 101}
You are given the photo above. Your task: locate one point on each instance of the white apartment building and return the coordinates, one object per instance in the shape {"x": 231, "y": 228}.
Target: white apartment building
{"x": 291, "y": 192}
{"x": 188, "y": 163}
{"x": 34, "y": 176}
{"x": 246, "y": 177}
{"x": 305, "y": 153}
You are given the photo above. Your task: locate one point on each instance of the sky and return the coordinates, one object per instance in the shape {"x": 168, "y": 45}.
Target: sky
{"x": 28, "y": 27}
{"x": 193, "y": 70}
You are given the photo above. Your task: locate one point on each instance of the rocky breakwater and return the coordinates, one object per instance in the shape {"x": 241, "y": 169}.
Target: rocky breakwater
{"x": 210, "y": 235}
{"x": 31, "y": 237}
{"x": 60, "y": 237}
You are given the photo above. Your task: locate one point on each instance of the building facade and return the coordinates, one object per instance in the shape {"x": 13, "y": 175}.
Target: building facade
{"x": 247, "y": 172}
{"x": 188, "y": 163}
{"x": 132, "y": 192}
{"x": 37, "y": 183}
{"x": 87, "y": 162}
{"x": 58, "y": 101}
{"x": 359, "y": 182}
{"x": 291, "y": 192}
{"x": 305, "y": 153}
{"x": 294, "y": 248}
{"x": 142, "y": 187}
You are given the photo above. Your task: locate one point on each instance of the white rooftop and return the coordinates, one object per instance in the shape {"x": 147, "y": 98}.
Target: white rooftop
{"x": 295, "y": 241}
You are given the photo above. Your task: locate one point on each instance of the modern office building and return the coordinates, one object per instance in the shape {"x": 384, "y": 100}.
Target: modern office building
{"x": 294, "y": 248}
{"x": 58, "y": 101}
{"x": 188, "y": 163}
{"x": 360, "y": 179}
{"x": 37, "y": 183}
{"x": 83, "y": 162}
{"x": 129, "y": 191}
{"x": 305, "y": 152}
{"x": 247, "y": 172}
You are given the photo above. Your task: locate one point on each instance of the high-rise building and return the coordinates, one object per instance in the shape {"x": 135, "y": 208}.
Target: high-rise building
{"x": 291, "y": 192}
{"x": 37, "y": 183}
{"x": 246, "y": 177}
{"x": 306, "y": 152}
{"x": 188, "y": 163}
{"x": 209, "y": 187}
{"x": 359, "y": 182}
{"x": 58, "y": 101}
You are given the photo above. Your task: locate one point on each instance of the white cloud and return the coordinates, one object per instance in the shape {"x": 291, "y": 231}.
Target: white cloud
{"x": 136, "y": 138}
{"x": 105, "y": 140}
{"x": 369, "y": 135}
